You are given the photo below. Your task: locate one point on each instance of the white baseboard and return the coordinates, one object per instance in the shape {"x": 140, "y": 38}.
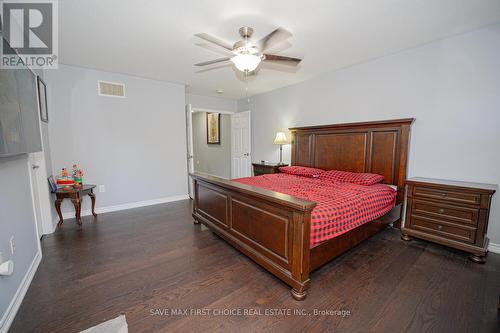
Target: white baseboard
{"x": 107, "y": 209}
{"x": 495, "y": 248}
{"x": 14, "y": 305}
{"x": 54, "y": 226}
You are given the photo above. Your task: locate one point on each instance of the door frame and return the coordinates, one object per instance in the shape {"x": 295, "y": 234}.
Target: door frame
{"x": 190, "y": 109}
{"x": 195, "y": 109}
{"x": 189, "y": 147}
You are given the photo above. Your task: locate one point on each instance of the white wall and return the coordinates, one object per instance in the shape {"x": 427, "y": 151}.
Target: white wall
{"x": 135, "y": 146}
{"x": 16, "y": 219}
{"x": 213, "y": 103}
{"x": 451, "y": 87}
{"x": 212, "y": 159}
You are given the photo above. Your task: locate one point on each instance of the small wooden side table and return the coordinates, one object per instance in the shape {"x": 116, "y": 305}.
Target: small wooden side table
{"x": 76, "y": 195}
{"x": 266, "y": 168}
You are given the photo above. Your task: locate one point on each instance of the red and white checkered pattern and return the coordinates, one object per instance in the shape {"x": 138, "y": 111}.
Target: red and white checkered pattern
{"x": 302, "y": 171}
{"x": 352, "y": 177}
{"x": 340, "y": 206}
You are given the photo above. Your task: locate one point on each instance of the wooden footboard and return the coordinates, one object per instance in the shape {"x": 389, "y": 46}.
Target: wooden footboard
{"x": 271, "y": 228}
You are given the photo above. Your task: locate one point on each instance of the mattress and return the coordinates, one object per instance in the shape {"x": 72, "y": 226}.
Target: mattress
{"x": 340, "y": 206}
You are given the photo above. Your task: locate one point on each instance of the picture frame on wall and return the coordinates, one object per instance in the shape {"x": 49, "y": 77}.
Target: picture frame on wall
{"x": 213, "y": 128}
{"x": 42, "y": 100}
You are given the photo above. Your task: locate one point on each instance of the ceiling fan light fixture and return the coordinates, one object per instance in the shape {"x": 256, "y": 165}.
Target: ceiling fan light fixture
{"x": 246, "y": 54}
{"x": 246, "y": 62}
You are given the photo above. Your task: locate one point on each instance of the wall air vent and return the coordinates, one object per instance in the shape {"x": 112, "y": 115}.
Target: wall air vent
{"x": 110, "y": 89}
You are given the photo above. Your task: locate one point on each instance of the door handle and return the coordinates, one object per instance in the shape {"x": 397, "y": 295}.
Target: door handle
{"x": 246, "y": 154}
{"x": 34, "y": 166}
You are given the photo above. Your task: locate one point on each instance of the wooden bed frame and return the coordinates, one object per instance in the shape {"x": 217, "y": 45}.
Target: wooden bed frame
{"x": 273, "y": 228}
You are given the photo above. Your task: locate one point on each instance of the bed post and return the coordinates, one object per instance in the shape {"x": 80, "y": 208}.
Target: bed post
{"x": 301, "y": 255}
{"x": 404, "y": 142}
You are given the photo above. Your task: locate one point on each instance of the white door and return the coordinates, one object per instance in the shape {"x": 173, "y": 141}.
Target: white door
{"x": 189, "y": 141}
{"x": 241, "y": 161}
{"x": 36, "y": 163}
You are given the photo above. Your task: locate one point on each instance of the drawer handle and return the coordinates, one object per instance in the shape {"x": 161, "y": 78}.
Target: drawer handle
{"x": 440, "y": 227}
{"x": 441, "y": 211}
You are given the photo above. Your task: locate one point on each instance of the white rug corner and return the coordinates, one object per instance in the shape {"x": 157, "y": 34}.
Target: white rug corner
{"x": 116, "y": 325}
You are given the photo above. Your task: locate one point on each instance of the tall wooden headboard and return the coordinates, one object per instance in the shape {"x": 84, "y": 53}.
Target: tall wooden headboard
{"x": 379, "y": 147}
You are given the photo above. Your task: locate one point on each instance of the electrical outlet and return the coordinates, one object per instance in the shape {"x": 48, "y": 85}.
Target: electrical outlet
{"x": 12, "y": 245}
{"x": 102, "y": 188}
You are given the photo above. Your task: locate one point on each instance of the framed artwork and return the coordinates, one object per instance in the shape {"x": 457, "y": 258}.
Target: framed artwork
{"x": 213, "y": 128}
{"x": 42, "y": 100}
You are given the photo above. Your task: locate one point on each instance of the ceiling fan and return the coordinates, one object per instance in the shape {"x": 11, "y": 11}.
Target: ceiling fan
{"x": 246, "y": 55}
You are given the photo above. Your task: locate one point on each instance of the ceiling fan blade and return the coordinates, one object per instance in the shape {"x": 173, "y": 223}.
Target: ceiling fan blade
{"x": 215, "y": 48}
{"x": 282, "y": 60}
{"x": 215, "y": 41}
{"x": 275, "y": 37}
{"x": 212, "y": 68}
{"x": 210, "y": 62}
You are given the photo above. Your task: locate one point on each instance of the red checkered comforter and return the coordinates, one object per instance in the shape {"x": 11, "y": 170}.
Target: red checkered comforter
{"x": 340, "y": 206}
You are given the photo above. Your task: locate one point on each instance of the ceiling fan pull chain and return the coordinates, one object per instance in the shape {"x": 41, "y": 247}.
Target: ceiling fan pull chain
{"x": 247, "y": 74}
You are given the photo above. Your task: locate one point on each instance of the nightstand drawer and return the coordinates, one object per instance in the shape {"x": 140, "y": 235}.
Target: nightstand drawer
{"x": 258, "y": 170}
{"x": 443, "y": 229}
{"x": 464, "y": 215}
{"x": 445, "y": 195}
{"x": 262, "y": 169}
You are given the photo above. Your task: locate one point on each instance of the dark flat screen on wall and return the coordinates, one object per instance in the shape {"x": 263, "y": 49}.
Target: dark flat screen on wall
{"x": 19, "y": 116}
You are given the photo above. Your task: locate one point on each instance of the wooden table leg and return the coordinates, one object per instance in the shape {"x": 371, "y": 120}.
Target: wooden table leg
{"x": 78, "y": 210}
{"x": 92, "y": 197}
{"x": 58, "y": 209}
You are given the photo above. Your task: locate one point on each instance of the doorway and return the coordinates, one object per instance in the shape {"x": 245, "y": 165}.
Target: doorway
{"x": 228, "y": 159}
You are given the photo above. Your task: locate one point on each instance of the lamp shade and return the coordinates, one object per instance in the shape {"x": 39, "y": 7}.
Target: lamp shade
{"x": 280, "y": 139}
{"x": 246, "y": 62}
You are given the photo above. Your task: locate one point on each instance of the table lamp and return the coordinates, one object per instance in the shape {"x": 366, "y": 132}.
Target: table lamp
{"x": 281, "y": 140}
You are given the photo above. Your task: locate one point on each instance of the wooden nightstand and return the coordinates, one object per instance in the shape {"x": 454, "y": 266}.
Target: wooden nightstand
{"x": 264, "y": 168}
{"x": 450, "y": 213}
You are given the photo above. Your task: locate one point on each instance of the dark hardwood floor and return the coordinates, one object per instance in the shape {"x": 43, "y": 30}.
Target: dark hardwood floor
{"x": 144, "y": 261}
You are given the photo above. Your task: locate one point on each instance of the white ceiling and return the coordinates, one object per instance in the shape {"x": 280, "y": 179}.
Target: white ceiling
{"x": 154, "y": 39}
